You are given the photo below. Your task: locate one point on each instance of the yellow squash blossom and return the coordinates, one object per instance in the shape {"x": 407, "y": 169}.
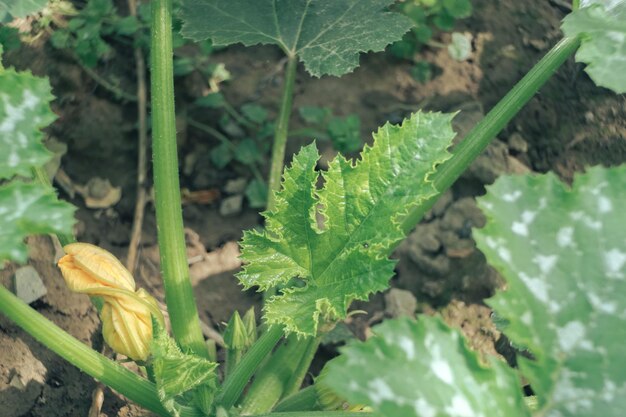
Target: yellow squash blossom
{"x": 126, "y": 315}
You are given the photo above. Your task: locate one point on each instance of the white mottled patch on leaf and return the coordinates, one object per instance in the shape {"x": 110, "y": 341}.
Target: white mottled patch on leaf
{"x": 604, "y": 205}
{"x": 564, "y": 237}
{"x": 379, "y": 391}
{"x": 460, "y": 407}
{"x": 614, "y": 261}
{"x": 512, "y": 197}
{"x": 520, "y": 228}
{"x": 545, "y": 263}
{"x": 408, "y": 347}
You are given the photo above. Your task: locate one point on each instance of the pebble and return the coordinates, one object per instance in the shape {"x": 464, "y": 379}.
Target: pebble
{"x": 400, "y": 303}
{"x": 28, "y": 285}
{"x": 231, "y": 206}
{"x": 517, "y": 143}
{"x": 236, "y": 186}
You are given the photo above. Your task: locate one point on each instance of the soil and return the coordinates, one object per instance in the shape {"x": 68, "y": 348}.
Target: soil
{"x": 570, "y": 124}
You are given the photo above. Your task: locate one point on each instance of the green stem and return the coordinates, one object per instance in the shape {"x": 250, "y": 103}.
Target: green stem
{"x": 305, "y": 399}
{"x": 86, "y": 359}
{"x": 303, "y": 366}
{"x": 483, "y": 133}
{"x": 178, "y": 291}
{"x": 237, "y": 380}
{"x": 272, "y": 380}
{"x": 282, "y": 129}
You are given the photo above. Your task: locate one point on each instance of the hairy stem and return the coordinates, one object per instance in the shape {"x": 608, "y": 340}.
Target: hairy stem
{"x": 86, "y": 359}
{"x": 282, "y": 129}
{"x": 486, "y": 130}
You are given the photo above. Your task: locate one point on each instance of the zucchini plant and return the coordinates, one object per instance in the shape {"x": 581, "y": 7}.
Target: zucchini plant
{"x": 561, "y": 250}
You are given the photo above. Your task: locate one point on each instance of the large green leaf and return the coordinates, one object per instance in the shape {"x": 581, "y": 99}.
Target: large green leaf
{"x": 327, "y": 35}
{"x": 603, "y": 48}
{"x": 361, "y": 204}
{"x": 24, "y": 109}
{"x": 21, "y": 8}
{"x": 423, "y": 369}
{"x": 27, "y": 209}
{"x": 563, "y": 254}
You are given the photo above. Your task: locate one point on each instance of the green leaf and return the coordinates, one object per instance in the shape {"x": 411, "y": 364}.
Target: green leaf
{"x": 362, "y": 205}
{"x": 126, "y": 25}
{"x": 247, "y": 152}
{"x": 563, "y": 254}
{"x": 24, "y": 109}
{"x": 221, "y": 155}
{"x": 21, "y": 8}
{"x": 345, "y": 133}
{"x": 603, "y": 47}
{"x": 27, "y": 209}
{"x": 254, "y": 112}
{"x": 458, "y": 8}
{"x": 327, "y": 35}
{"x": 212, "y": 101}
{"x": 256, "y": 193}
{"x": 423, "y": 369}
{"x": 314, "y": 115}
{"x": 177, "y": 373}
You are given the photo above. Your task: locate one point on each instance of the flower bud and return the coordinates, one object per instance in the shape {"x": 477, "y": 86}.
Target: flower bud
{"x": 127, "y": 324}
{"x": 126, "y": 315}
{"x": 86, "y": 268}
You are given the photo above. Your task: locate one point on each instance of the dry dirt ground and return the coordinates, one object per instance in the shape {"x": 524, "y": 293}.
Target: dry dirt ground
{"x": 570, "y": 124}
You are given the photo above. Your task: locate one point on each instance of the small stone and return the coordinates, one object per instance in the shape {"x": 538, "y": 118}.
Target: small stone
{"x": 517, "y": 143}
{"x": 236, "y": 186}
{"x": 28, "y": 285}
{"x": 589, "y": 117}
{"x": 17, "y": 383}
{"x": 436, "y": 266}
{"x": 400, "y": 303}
{"x": 231, "y": 205}
{"x": 538, "y": 44}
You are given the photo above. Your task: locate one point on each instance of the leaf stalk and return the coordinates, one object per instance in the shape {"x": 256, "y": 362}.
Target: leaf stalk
{"x": 486, "y": 130}
{"x": 282, "y": 130}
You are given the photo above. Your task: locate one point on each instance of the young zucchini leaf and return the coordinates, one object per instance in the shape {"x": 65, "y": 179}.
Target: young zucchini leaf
{"x": 563, "y": 254}
{"x": 424, "y": 369}
{"x": 26, "y": 208}
{"x": 603, "y": 47}
{"x": 178, "y": 374}
{"x": 327, "y": 35}
{"x": 24, "y": 109}
{"x": 341, "y": 255}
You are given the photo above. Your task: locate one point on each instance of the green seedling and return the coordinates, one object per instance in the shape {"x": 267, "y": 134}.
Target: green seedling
{"x": 561, "y": 249}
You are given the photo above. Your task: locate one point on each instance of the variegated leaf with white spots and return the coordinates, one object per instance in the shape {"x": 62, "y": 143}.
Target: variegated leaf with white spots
{"x": 424, "y": 369}
{"x": 562, "y": 252}
{"x": 24, "y": 110}
{"x": 602, "y": 27}
{"x": 27, "y": 209}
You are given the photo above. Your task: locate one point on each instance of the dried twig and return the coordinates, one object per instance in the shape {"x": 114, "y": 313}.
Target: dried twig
{"x": 142, "y": 152}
